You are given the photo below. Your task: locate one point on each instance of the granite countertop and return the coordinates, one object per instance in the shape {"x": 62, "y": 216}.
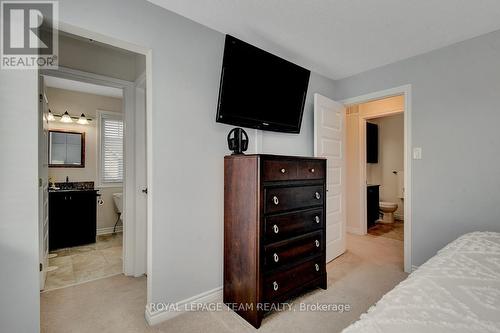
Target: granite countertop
{"x": 72, "y": 190}
{"x": 72, "y": 186}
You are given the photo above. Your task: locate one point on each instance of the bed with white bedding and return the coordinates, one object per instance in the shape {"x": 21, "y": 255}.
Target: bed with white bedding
{"x": 458, "y": 290}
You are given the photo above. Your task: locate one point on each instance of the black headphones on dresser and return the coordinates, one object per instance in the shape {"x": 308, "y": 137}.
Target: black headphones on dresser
{"x": 237, "y": 140}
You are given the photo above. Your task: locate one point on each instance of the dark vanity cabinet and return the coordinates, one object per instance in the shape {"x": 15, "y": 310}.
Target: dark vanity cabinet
{"x": 372, "y": 202}
{"x": 72, "y": 218}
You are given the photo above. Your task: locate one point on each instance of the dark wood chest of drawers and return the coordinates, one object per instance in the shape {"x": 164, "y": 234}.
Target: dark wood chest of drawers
{"x": 274, "y": 230}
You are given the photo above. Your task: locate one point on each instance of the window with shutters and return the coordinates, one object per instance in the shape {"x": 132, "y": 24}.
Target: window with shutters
{"x": 111, "y": 148}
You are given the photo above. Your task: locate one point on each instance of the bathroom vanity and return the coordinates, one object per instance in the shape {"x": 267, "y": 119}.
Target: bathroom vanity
{"x": 72, "y": 217}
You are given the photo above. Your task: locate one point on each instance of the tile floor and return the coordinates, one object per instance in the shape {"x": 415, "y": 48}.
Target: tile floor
{"x": 388, "y": 230}
{"x": 85, "y": 263}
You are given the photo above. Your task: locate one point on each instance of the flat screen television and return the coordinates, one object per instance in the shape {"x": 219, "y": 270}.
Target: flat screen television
{"x": 260, "y": 90}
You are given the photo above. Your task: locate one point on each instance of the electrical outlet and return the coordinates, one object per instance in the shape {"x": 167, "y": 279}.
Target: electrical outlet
{"x": 417, "y": 153}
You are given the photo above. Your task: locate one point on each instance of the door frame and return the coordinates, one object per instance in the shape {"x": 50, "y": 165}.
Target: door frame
{"x": 404, "y": 90}
{"x": 43, "y": 182}
{"x": 147, "y": 52}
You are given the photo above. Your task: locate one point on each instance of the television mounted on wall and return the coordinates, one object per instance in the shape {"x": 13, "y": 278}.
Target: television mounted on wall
{"x": 260, "y": 90}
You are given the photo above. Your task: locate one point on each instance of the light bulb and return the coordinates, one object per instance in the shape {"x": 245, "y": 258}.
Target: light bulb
{"x": 50, "y": 116}
{"x": 82, "y": 120}
{"x": 66, "y": 118}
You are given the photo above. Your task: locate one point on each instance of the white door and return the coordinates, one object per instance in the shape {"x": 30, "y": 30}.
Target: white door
{"x": 329, "y": 142}
{"x": 43, "y": 183}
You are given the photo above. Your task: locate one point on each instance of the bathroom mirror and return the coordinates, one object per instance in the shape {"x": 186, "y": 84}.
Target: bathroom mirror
{"x": 66, "y": 149}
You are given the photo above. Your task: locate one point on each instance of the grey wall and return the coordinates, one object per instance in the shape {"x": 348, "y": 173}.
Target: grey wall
{"x": 455, "y": 119}
{"x": 187, "y": 170}
{"x": 19, "y": 284}
{"x": 455, "y": 115}
{"x": 187, "y": 190}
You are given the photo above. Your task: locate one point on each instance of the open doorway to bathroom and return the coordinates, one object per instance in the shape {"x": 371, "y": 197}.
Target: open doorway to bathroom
{"x": 92, "y": 168}
{"x": 85, "y": 181}
{"x": 375, "y": 157}
{"x": 385, "y": 176}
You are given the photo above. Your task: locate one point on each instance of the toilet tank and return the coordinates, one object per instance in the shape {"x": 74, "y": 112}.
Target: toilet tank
{"x": 118, "y": 200}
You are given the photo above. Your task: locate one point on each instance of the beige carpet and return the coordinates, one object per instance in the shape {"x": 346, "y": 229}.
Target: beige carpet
{"x": 370, "y": 267}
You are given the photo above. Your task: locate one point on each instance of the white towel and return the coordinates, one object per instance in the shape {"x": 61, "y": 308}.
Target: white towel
{"x": 401, "y": 184}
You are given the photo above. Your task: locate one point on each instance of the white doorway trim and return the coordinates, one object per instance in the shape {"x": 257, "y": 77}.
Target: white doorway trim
{"x": 148, "y": 53}
{"x": 404, "y": 90}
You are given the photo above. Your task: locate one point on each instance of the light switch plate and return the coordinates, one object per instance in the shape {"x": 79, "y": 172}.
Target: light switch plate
{"x": 417, "y": 153}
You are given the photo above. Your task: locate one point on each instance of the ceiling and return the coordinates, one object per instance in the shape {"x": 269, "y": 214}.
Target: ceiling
{"x": 340, "y": 38}
{"x": 89, "y": 88}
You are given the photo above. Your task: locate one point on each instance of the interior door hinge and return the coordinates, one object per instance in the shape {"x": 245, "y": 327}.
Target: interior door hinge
{"x": 145, "y": 190}
{"x": 41, "y": 267}
{"x": 41, "y": 97}
{"x": 40, "y": 182}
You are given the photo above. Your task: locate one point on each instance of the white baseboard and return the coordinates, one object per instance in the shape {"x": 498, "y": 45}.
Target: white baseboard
{"x": 354, "y": 230}
{"x": 154, "y": 318}
{"x": 109, "y": 230}
{"x": 414, "y": 268}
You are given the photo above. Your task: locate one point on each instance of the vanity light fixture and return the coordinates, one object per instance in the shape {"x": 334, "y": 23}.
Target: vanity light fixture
{"x": 82, "y": 120}
{"x": 50, "y": 116}
{"x": 66, "y": 118}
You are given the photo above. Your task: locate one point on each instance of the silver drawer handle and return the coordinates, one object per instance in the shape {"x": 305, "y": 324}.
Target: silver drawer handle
{"x": 317, "y": 195}
{"x": 317, "y": 267}
{"x": 275, "y": 286}
{"x": 276, "y": 229}
{"x": 275, "y": 200}
{"x": 316, "y": 218}
{"x": 316, "y": 242}
{"x": 312, "y": 170}
{"x": 276, "y": 258}
{"x": 283, "y": 170}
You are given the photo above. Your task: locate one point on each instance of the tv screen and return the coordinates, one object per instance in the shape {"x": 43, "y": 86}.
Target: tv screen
{"x": 260, "y": 90}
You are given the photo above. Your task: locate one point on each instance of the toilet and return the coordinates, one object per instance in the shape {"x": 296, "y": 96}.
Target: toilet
{"x": 388, "y": 208}
{"x": 118, "y": 200}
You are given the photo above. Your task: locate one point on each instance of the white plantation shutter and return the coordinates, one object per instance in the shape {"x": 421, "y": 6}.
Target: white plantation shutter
{"x": 111, "y": 149}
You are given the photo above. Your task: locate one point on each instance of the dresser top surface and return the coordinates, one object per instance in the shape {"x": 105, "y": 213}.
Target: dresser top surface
{"x": 275, "y": 157}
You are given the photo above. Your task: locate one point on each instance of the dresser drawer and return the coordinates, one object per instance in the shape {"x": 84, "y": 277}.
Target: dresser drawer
{"x": 280, "y": 283}
{"x": 276, "y": 170}
{"x": 290, "y": 251}
{"x": 311, "y": 170}
{"x": 279, "y": 227}
{"x": 294, "y": 197}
